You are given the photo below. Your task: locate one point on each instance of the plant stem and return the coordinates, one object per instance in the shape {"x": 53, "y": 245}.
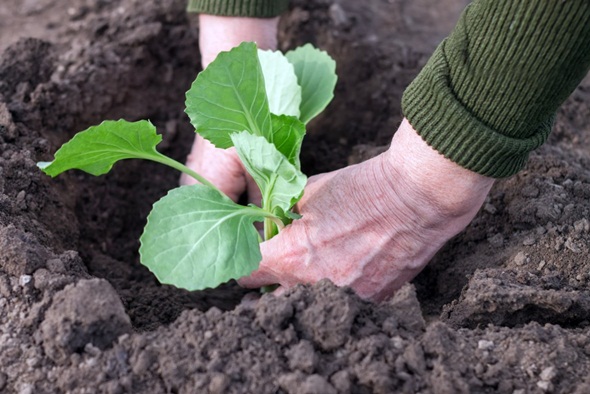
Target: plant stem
{"x": 272, "y": 226}
{"x": 160, "y": 158}
{"x": 269, "y": 229}
{"x": 268, "y": 216}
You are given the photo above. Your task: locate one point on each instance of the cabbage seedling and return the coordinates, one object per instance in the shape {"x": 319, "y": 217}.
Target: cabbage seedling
{"x": 256, "y": 101}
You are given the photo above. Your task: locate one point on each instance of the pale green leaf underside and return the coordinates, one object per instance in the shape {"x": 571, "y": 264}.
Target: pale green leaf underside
{"x": 287, "y": 136}
{"x": 282, "y": 89}
{"x": 229, "y": 96}
{"x": 280, "y": 182}
{"x": 196, "y": 238}
{"x": 96, "y": 149}
{"x": 316, "y": 73}
{"x": 287, "y": 217}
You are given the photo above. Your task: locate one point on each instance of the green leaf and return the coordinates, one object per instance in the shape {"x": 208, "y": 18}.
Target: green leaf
{"x": 229, "y": 96}
{"x": 316, "y": 72}
{"x": 287, "y": 136}
{"x": 98, "y": 148}
{"x": 292, "y": 215}
{"x": 282, "y": 88}
{"x": 197, "y": 238}
{"x": 286, "y": 217}
{"x": 280, "y": 182}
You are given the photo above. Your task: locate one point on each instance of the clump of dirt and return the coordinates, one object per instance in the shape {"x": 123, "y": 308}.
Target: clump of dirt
{"x": 504, "y": 307}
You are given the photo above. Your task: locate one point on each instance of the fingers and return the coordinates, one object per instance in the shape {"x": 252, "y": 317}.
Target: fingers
{"x": 284, "y": 256}
{"x": 222, "y": 167}
{"x": 279, "y": 291}
{"x": 258, "y": 278}
{"x": 254, "y": 194}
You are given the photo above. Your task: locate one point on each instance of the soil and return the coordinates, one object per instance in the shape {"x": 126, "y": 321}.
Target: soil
{"x": 504, "y": 307}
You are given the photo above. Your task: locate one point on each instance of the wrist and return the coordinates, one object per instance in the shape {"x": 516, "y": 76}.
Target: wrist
{"x": 441, "y": 186}
{"x": 221, "y": 33}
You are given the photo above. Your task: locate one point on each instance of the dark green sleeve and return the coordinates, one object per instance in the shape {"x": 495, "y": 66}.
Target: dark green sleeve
{"x": 250, "y": 8}
{"x": 489, "y": 93}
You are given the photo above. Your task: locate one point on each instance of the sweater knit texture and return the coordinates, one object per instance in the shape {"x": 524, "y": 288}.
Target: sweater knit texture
{"x": 246, "y": 8}
{"x": 488, "y": 95}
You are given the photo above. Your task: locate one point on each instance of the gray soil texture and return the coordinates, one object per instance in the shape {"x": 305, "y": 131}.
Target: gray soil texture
{"x": 503, "y": 308}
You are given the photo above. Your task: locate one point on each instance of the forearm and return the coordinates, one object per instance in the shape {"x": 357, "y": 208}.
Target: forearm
{"x": 488, "y": 95}
{"x": 221, "y": 33}
{"x": 225, "y": 24}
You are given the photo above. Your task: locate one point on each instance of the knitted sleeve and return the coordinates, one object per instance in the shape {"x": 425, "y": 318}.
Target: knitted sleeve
{"x": 488, "y": 95}
{"x": 250, "y": 8}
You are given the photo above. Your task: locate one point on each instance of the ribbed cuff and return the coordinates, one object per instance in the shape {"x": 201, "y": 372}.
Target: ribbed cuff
{"x": 244, "y": 8}
{"x": 489, "y": 93}
{"x": 440, "y": 118}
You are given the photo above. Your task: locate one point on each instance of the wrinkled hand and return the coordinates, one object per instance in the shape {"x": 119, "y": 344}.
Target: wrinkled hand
{"x": 375, "y": 225}
{"x": 222, "y": 167}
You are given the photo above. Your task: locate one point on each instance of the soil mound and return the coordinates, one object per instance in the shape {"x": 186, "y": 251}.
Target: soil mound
{"x": 504, "y": 307}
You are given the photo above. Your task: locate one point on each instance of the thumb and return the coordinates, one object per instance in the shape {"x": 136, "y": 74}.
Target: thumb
{"x": 222, "y": 167}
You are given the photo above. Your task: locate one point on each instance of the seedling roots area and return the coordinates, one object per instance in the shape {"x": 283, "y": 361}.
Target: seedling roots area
{"x": 504, "y": 307}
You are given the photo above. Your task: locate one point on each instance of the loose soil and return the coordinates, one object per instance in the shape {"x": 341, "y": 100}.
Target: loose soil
{"x": 504, "y": 307}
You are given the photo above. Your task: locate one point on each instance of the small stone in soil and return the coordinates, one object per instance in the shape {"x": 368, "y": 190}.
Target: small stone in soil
{"x": 25, "y": 280}
{"x": 496, "y": 240}
{"x": 548, "y": 374}
{"x": 489, "y": 208}
{"x": 485, "y": 345}
{"x": 529, "y": 241}
{"x": 520, "y": 258}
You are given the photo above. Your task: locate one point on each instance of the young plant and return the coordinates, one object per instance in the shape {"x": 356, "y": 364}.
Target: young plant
{"x": 256, "y": 101}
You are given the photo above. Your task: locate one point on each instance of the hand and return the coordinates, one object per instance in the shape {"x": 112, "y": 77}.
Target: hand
{"x": 375, "y": 225}
{"x": 220, "y": 166}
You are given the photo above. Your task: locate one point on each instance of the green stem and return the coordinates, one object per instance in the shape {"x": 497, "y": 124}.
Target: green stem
{"x": 272, "y": 225}
{"x": 269, "y": 226}
{"x": 267, "y": 215}
{"x": 269, "y": 229}
{"x": 162, "y": 159}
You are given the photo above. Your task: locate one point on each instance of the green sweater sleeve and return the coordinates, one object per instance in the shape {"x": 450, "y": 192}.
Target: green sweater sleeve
{"x": 489, "y": 93}
{"x": 250, "y": 8}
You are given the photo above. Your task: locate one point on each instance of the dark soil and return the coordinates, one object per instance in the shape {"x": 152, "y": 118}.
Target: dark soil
{"x": 504, "y": 307}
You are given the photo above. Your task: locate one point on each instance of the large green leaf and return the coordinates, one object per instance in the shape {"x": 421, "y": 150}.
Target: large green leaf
{"x": 287, "y": 136}
{"x": 98, "y": 148}
{"x": 229, "y": 96}
{"x": 316, "y": 73}
{"x": 282, "y": 89}
{"x": 280, "y": 182}
{"x": 196, "y": 238}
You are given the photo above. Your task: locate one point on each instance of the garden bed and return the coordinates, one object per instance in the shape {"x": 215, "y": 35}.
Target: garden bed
{"x": 504, "y": 307}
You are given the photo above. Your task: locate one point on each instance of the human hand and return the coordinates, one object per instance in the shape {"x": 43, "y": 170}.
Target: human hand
{"x": 222, "y": 167}
{"x": 375, "y": 225}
